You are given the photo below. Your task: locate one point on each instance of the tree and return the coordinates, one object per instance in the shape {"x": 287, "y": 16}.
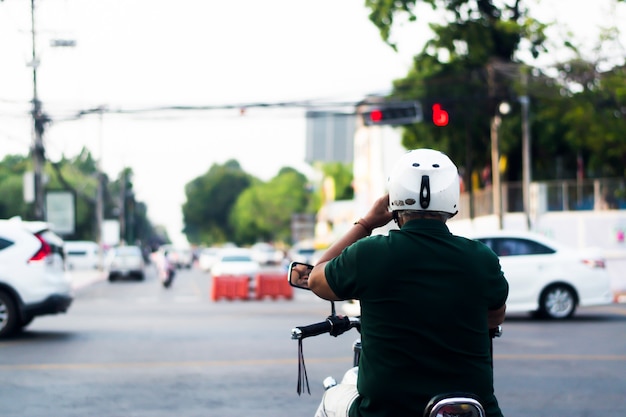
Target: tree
{"x": 595, "y": 117}
{"x": 471, "y": 65}
{"x": 77, "y": 174}
{"x": 12, "y": 169}
{"x": 342, "y": 177}
{"x": 465, "y": 68}
{"x": 210, "y": 198}
{"x": 263, "y": 211}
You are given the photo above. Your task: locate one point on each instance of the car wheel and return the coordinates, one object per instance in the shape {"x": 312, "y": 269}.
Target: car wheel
{"x": 8, "y": 315}
{"x": 557, "y": 302}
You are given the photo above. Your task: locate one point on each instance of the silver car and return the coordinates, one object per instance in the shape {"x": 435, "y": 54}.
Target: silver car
{"x": 125, "y": 262}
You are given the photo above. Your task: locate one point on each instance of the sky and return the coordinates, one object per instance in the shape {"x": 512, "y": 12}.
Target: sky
{"x": 140, "y": 54}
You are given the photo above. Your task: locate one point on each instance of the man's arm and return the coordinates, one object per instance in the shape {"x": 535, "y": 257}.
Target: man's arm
{"x": 378, "y": 215}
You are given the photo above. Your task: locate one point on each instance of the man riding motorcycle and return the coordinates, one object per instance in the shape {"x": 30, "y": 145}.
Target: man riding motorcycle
{"x": 428, "y": 298}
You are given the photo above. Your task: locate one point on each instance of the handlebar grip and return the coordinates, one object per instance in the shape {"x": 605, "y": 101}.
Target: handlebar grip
{"x": 316, "y": 329}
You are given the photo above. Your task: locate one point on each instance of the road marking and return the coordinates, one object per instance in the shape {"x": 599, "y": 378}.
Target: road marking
{"x": 265, "y": 362}
{"x": 559, "y": 357}
{"x": 195, "y": 364}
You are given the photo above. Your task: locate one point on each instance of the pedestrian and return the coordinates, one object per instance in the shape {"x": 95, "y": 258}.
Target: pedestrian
{"x": 428, "y": 298}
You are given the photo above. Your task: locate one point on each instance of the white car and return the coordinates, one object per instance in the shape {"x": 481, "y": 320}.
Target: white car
{"x": 81, "y": 254}
{"x": 303, "y": 253}
{"x": 545, "y": 277}
{"x": 125, "y": 262}
{"x": 207, "y": 257}
{"x": 235, "y": 262}
{"x": 266, "y": 254}
{"x": 33, "y": 281}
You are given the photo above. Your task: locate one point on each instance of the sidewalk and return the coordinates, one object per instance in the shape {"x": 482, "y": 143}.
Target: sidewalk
{"x": 82, "y": 278}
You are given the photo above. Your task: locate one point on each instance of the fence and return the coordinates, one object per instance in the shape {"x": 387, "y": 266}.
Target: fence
{"x": 547, "y": 196}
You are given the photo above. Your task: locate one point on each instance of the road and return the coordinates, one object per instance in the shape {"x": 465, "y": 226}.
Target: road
{"x": 137, "y": 349}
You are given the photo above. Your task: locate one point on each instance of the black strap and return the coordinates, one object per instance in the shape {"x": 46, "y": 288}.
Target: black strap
{"x": 303, "y": 379}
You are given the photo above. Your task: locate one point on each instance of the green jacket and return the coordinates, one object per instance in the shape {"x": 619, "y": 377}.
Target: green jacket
{"x": 424, "y": 297}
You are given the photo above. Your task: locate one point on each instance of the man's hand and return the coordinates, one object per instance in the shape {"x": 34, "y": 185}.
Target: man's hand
{"x": 379, "y": 214}
{"x": 496, "y": 317}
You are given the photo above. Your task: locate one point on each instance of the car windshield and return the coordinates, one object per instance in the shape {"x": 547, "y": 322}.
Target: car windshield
{"x": 236, "y": 258}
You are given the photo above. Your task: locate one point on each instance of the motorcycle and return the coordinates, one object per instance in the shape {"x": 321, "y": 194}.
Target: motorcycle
{"x": 454, "y": 404}
{"x": 168, "y": 277}
{"x": 165, "y": 269}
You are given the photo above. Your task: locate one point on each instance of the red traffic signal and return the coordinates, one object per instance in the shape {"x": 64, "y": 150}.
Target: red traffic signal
{"x": 376, "y": 115}
{"x": 393, "y": 113}
{"x": 440, "y": 116}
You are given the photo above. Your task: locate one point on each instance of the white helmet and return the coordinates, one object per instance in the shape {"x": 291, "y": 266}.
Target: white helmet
{"x": 424, "y": 180}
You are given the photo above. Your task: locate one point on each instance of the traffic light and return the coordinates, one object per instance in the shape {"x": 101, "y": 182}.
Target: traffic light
{"x": 440, "y": 116}
{"x": 393, "y": 113}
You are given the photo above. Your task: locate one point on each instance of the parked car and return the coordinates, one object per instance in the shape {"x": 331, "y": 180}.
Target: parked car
{"x": 33, "y": 281}
{"x": 266, "y": 254}
{"x": 125, "y": 262}
{"x": 545, "y": 277}
{"x": 303, "y": 252}
{"x": 81, "y": 254}
{"x": 207, "y": 257}
{"x": 178, "y": 256}
{"x": 235, "y": 261}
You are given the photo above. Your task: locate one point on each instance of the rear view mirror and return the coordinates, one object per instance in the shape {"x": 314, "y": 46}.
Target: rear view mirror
{"x": 299, "y": 275}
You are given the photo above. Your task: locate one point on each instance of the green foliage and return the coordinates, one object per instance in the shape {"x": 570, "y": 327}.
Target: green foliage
{"x": 487, "y": 30}
{"x": 263, "y": 211}
{"x": 469, "y": 68}
{"x": 12, "y": 169}
{"x": 343, "y": 177}
{"x": 210, "y": 198}
{"x": 228, "y": 205}
{"x": 463, "y": 68}
{"x": 595, "y": 118}
{"x": 78, "y": 174}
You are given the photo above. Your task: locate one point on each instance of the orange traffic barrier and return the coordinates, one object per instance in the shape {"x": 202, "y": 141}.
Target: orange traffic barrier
{"x": 272, "y": 285}
{"x": 231, "y": 287}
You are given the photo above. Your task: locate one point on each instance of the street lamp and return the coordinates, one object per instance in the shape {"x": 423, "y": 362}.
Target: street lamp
{"x": 503, "y": 109}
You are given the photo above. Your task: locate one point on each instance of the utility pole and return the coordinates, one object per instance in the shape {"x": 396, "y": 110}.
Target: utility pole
{"x": 100, "y": 190}
{"x": 526, "y": 161}
{"x": 39, "y": 125}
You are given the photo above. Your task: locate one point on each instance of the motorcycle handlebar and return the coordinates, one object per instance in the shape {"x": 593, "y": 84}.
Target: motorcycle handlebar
{"x": 495, "y": 332}
{"x": 334, "y": 325}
